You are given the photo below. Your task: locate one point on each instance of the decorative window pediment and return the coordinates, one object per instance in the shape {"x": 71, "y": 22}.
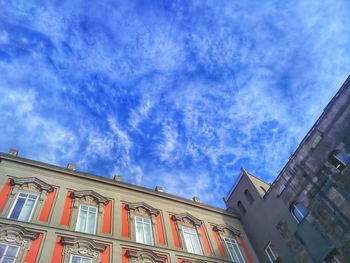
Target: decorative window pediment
{"x": 143, "y": 255}
{"x": 187, "y": 218}
{"x": 226, "y": 230}
{"x": 82, "y": 246}
{"x": 99, "y": 199}
{"x": 193, "y": 261}
{"x": 32, "y": 182}
{"x": 142, "y": 208}
{"x": 16, "y": 234}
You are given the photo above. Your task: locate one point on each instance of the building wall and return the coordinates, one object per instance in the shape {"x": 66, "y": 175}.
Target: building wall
{"x": 310, "y": 179}
{"x": 51, "y": 234}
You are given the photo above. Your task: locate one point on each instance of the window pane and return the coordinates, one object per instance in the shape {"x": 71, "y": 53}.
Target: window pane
{"x": 82, "y": 221}
{"x": 86, "y": 260}
{"x": 139, "y": 232}
{"x": 91, "y": 223}
{"x": 147, "y": 228}
{"x": 18, "y": 208}
{"x": 2, "y": 250}
{"x": 75, "y": 259}
{"x": 27, "y": 210}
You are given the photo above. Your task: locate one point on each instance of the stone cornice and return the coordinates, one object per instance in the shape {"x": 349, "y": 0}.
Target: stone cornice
{"x": 148, "y": 208}
{"x": 180, "y": 217}
{"x": 221, "y": 228}
{"x": 83, "y": 242}
{"x": 32, "y": 180}
{"x": 17, "y": 230}
{"x": 98, "y": 198}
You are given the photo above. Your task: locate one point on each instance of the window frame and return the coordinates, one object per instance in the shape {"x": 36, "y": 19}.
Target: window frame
{"x": 294, "y": 208}
{"x": 235, "y": 243}
{"x": 78, "y": 219}
{"x": 15, "y": 202}
{"x": 7, "y": 246}
{"x": 74, "y": 255}
{"x": 274, "y": 254}
{"x": 143, "y": 234}
{"x": 192, "y": 231}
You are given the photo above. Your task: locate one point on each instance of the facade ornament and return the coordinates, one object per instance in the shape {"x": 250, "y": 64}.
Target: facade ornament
{"x": 142, "y": 208}
{"x": 226, "y": 228}
{"x": 32, "y": 181}
{"x": 17, "y": 234}
{"x": 185, "y": 217}
{"x": 141, "y": 255}
{"x": 82, "y": 246}
{"x": 90, "y": 195}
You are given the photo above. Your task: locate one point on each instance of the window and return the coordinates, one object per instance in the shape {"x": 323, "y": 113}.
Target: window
{"x": 262, "y": 188}
{"x": 143, "y": 228}
{"x": 191, "y": 240}
{"x": 23, "y": 207}
{"x": 339, "y": 159}
{"x": 272, "y": 255}
{"x": 87, "y": 219}
{"x": 234, "y": 250}
{"x": 282, "y": 188}
{"x": 79, "y": 259}
{"x": 249, "y": 196}
{"x": 8, "y": 253}
{"x": 298, "y": 211}
{"x": 241, "y": 208}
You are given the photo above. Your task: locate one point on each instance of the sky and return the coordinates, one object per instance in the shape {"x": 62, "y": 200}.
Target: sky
{"x": 180, "y": 94}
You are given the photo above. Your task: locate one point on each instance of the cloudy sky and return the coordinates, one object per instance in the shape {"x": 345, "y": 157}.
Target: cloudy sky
{"x": 173, "y": 93}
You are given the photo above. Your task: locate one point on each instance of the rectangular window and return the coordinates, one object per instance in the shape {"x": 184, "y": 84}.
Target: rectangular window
{"x": 8, "y": 253}
{"x": 143, "y": 228}
{"x": 234, "y": 250}
{"x": 87, "y": 217}
{"x": 191, "y": 240}
{"x": 23, "y": 207}
{"x": 272, "y": 255}
{"x": 79, "y": 259}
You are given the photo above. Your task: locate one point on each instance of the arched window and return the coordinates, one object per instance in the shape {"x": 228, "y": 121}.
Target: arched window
{"x": 298, "y": 211}
{"x": 249, "y": 196}
{"x": 339, "y": 159}
{"x": 241, "y": 208}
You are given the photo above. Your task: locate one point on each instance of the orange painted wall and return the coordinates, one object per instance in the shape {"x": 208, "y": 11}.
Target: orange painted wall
{"x": 58, "y": 252}
{"x": 34, "y": 250}
{"x": 125, "y": 258}
{"x": 105, "y": 256}
{"x": 5, "y": 191}
{"x": 218, "y": 243}
{"x": 175, "y": 234}
{"x": 245, "y": 250}
{"x": 125, "y": 221}
{"x": 205, "y": 240}
{"x": 160, "y": 232}
{"x": 67, "y": 210}
{"x": 45, "y": 212}
{"x": 106, "y": 228}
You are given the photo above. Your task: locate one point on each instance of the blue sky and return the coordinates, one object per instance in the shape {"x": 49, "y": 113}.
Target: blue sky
{"x": 173, "y": 93}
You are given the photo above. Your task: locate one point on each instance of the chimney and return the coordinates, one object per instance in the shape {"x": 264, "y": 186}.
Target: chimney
{"x": 71, "y": 166}
{"x": 159, "y": 189}
{"x": 117, "y": 178}
{"x": 13, "y": 152}
{"x": 196, "y": 199}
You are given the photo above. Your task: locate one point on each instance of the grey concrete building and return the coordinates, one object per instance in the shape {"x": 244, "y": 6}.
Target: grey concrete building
{"x": 304, "y": 215}
{"x": 60, "y": 215}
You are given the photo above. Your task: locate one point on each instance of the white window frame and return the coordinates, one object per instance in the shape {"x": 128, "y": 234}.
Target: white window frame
{"x": 14, "y": 204}
{"x": 190, "y": 230}
{"x": 273, "y": 253}
{"x": 143, "y": 219}
{"x": 7, "y": 246}
{"x": 87, "y": 219}
{"x": 73, "y": 255}
{"x": 234, "y": 242}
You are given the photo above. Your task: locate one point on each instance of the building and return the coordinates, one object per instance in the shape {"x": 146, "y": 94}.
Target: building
{"x": 59, "y": 215}
{"x": 304, "y": 215}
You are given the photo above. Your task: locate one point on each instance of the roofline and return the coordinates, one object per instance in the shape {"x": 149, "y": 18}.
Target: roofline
{"x": 105, "y": 180}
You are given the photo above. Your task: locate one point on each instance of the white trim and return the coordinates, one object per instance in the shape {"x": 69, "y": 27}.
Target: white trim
{"x": 87, "y": 219}
{"x": 143, "y": 219}
{"x": 81, "y": 257}
{"x": 7, "y": 245}
{"x": 234, "y": 242}
{"x": 31, "y": 212}
{"x": 268, "y": 247}
{"x": 192, "y": 231}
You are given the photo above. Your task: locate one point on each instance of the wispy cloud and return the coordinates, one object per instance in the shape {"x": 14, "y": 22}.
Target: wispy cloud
{"x": 177, "y": 93}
